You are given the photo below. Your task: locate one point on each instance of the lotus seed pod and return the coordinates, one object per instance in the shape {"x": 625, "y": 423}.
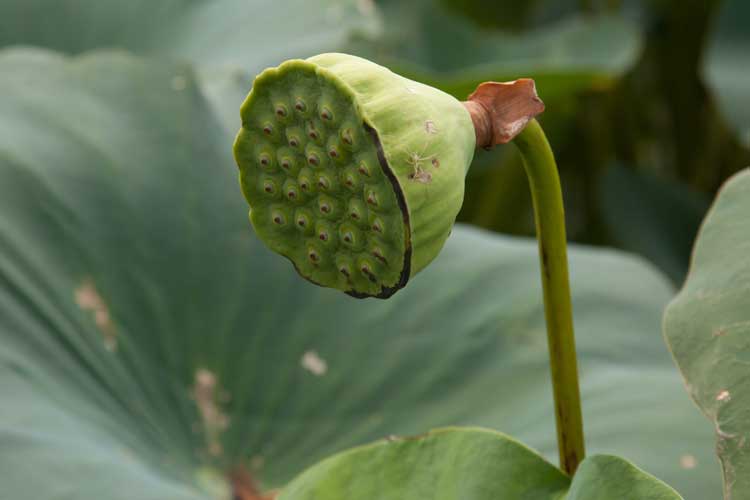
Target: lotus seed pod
{"x": 367, "y": 166}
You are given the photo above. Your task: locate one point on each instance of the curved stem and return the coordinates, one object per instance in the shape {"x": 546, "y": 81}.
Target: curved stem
{"x": 550, "y": 225}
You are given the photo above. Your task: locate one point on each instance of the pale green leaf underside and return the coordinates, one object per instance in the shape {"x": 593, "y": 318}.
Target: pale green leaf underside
{"x": 468, "y": 464}
{"x": 148, "y": 338}
{"x": 708, "y": 329}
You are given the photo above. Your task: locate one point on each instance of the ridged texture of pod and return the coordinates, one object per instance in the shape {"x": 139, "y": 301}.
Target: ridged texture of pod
{"x": 354, "y": 173}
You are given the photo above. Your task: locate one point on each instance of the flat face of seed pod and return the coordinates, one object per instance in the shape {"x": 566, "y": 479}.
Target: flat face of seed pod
{"x": 319, "y": 188}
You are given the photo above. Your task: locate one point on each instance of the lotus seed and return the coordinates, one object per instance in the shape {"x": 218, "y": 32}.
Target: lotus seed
{"x": 346, "y": 136}
{"x": 269, "y": 187}
{"x": 378, "y": 254}
{"x": 357, "y": 210}
{"x": 326, "y": 114}
{"x": 281, "y": 111}
{"x": 300, "y": 106}
{"x": 377, "y": 226}
{"x": 302, "y": 220}
{"x": 278, "y": 218}
{"x": 364, "y": 169}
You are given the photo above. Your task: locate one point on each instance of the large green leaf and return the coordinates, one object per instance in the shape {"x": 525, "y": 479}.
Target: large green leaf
{"x": 726, "y": 65}
{"x": 470, "y": 464}
{"x": 151, "y": 343}
{"x": 708, "y": 329}
{"x": 251, "y": 34}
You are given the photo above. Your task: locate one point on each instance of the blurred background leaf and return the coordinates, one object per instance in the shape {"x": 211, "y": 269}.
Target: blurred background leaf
{"x": 250, "y": 34}
{"x": 652, "y": 217}
{"x": 146, "y": 330}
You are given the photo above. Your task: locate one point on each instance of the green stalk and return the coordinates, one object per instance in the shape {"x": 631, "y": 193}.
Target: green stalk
{"x": 550, "y": 225}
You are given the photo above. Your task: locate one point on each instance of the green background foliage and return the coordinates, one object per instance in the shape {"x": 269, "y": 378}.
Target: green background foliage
{"x": 152, "y": 345}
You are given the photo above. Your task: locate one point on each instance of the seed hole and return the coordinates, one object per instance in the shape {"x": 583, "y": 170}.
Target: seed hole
{"x": 326, "y": 114}
{"x": 281, "y": 112}
{"x": 299, "y": 105}
{"x": 323, "y": 236}
{"x": 293, "y": 142}
{"x": 267, "y": 129}
{"x": 376, "y": 253}
{"x": 313, "y": 160}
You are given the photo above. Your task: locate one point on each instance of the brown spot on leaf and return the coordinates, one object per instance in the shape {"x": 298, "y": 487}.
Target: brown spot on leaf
{"x": 313, "y": 363}
{"x": 206, "y": 392}
{"x": 688, "y": 462}
{"x": 88, "y": 299}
